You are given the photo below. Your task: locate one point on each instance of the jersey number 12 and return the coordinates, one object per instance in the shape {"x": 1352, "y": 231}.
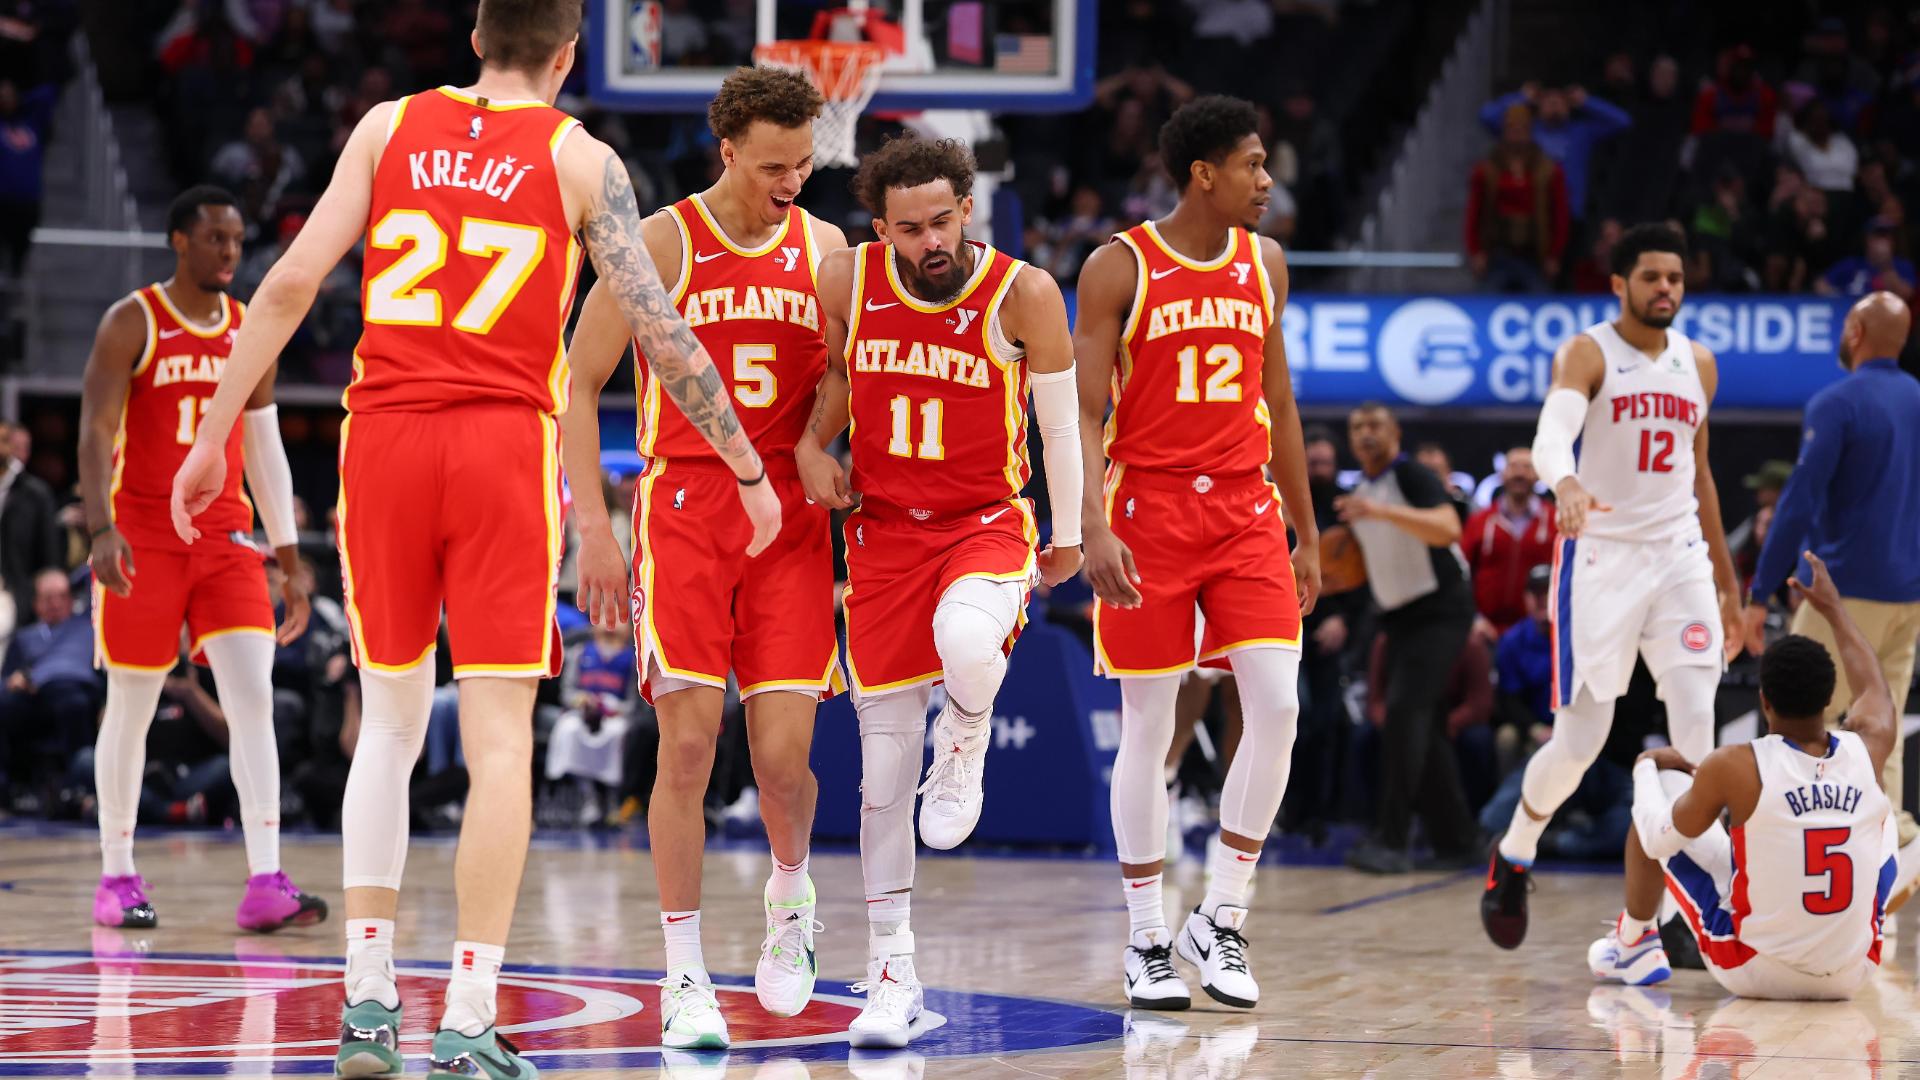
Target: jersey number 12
{"x": 1656, "y": 451}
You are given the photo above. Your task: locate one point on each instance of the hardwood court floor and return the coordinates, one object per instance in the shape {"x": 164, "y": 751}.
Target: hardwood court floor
{"x": 1360, "y": 977}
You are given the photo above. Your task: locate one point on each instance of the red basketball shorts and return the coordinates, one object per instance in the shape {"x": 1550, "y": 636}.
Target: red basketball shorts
{"x": 217, "y": 587}
{"x": 899, "y": 568}
{"x": 1217, "y": 545}
{"x": 459, "y": 508}
{"x": 701, "y": 608}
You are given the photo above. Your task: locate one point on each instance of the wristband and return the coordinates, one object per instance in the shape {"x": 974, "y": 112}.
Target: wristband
{"x": 102, "y": 531}
{"x": 756, "y": 481}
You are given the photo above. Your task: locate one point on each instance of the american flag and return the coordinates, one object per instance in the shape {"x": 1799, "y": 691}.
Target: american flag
{"x": 1023, "y": 54}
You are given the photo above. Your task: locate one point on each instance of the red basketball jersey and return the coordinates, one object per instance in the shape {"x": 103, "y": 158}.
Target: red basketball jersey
{"x": 939, "y": 408}
{"x": 178, "y": 371}
{"x": 470, "y": 264}
{"x": 1187, "y": 390}
{"x": 757, "y": 312}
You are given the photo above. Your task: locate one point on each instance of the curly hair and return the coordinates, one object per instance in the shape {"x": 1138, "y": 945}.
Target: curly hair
{"x": 522, "y": 35}
{"x": 780, "y": 97}
{"x": 1642, "y": 238}
{"x": 1204, "y": 129}
{"x": 1796, "y": 674}
{"x": 907, "y": 161}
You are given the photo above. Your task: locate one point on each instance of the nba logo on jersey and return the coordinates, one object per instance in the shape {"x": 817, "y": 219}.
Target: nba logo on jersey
{"x": 680, "y": 499}
{"x": 473, "y": 128}
{"x": 1696, "y": 637}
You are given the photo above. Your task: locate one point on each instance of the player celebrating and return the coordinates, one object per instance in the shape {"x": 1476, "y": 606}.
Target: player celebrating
{"x": 739, "y": 260}
{"x": 156, "y": 359}
{"x": 1186, "y": 518}
{"x": 932, "y": 340}
{"x": 449, "y": 488}
{"x": 1804, "y": 807}
{"x": 1622, "y": 443}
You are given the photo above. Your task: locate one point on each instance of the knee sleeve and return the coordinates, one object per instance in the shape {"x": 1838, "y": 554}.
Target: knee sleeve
{"x": 1579, "y": 733}
{"x": 1269, "y": 681}
{"x": 1137, "y": 796}
{"x": 892, "y": 738}
{"x": 243, "y": 675}
{"x": 970, "y": 629}
{"x": 373, "y": 816}
{"x": 120, "y": 750}
{"x": 1689, "y": 693}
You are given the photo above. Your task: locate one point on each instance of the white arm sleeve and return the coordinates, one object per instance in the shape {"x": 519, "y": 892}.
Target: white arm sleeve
{"x": 269, "y": 479}
{"x": 1056, "y": 405}
{"x": 1562, "y": 416}
{"x": 1653, "y": 813}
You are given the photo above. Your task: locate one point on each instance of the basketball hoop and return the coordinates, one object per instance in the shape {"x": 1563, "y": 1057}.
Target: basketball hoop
{"x": 846, "y": 73}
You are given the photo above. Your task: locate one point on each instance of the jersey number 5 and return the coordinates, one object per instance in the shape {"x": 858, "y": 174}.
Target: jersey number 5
{"x": 394, "y": 297}
{"x": 1656, "y": 451}
{"x": 1835, "y": 866}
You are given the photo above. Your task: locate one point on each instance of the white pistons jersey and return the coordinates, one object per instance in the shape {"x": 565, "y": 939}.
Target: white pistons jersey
{"x": 1635, "y": 453}
{"x": 1814, "y": 863}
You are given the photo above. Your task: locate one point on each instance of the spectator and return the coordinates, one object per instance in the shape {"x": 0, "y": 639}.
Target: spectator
{"x": 421, "y": 33}
{"x": 1800, "y": 244}
{"x": 1646, "y": 159}
{"x": 1854, "y": 500}
{"x": 1517, "y": 216}
{"x": 23, "y": 134}
{"x": 599, "y": 687}
{"x": 1567, "y": 124}
{"x": 1523, "y": 663}
{"x": 1307, "y": 162}
{"x": 1067, "y": 243}
{"x": 52, "y": 695}
{"x": 332, "y": 24}
{"x": 1594, "y": 272}
{"x": 1876, "y": 269}
{"x": 257, "y": 167}
{"x": 1743, "y": 539}
{"x": 1826, "y": 156}
{"x": 1466, "y": 700}
{"x": 1844, "y": 82}
{"x": 1505, "y": 541}
{"x": 1726, "y": 244}
{"x": 30, "y": 537}
{"x": 1459, "y": 485}
{"x": 1313, "y": 792}
{"x": 1738, "y": 101}
{"x": 1409, "y": 538}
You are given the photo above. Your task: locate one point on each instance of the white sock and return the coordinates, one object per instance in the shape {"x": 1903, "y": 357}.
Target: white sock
{"x": 261, "y": 826}
{"x": 370, "y": 962}
{"x": 1521, "y": 844}
{"x": 119, "y": 757}
{"x": 470, "y": 993}
{"x": 888, "y": 914}
{"x": 1145, "y": 908}
{"x": 1631, "y": 929}
{"x": 788, "y": 885}
{"x": 1229, "y": 874}
{"x": 682, "y": 931}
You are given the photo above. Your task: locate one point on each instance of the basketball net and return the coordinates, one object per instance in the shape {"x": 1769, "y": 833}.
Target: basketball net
{"x": 846, "y": 73}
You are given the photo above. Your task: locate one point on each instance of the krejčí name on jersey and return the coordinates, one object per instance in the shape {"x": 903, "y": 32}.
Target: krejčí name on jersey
{"x": 766, "y": 302}
{"x": 168, "y": 370}
{"x": 1206, "y": 313}
{"x": 447, "y": 168}
{"x": 943, "y": 362}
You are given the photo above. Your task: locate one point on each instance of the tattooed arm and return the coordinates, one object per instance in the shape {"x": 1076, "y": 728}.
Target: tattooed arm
{"x": 600, "y": 200}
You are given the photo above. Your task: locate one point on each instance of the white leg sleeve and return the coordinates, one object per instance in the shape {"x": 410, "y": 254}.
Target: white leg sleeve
{"x": 1137, "y": 798}
{"x": 893, "y": 736}
{"x": 1579, "y": 733}
{"x": 970, "y": 625}
{"x": 1270, "y": 708}
{"x": 119, "y": 759}
{"x": 1689, "y": 692}
{"x": 373, "y": 816}
{"x": 243, "y": 675}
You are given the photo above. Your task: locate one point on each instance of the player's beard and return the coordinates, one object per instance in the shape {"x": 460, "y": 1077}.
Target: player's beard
{"x": 1645, "y": 314}
{"x": 941, "y": 288}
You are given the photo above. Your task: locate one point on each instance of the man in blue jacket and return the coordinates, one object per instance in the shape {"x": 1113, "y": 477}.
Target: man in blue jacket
{"x": 1854, "y": 499}
{"x": 1567, "y": 124}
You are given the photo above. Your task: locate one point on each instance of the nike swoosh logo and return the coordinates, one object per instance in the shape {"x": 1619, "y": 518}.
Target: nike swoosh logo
{"x": 988, "y": 519}
{"x": 1262, "y": 508}
{"x": 508, "y": 1067}
{"x": 1140, "y": 884}
{"x": 703, "y": 257}
{"x": 165, "y": 334}
{"x": 1204, "y": 953}
{"x": 678, "y": 918}
{"x": 1248, "y": 858}
{"x": 1158, "y": 274}
{"x": 871, "y": 306}
{"x": 1628, "y": 370}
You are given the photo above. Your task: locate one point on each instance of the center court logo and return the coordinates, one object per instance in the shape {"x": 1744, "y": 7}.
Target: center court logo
{"x": 1427, "y": 351}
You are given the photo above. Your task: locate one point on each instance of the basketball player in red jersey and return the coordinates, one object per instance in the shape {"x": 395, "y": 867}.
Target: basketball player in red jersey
{"x": 155, "y": 362}
{"x": 932, "y": 342}
{"x": 739, "y": 259}
{"x": 1189, "y": 306}
{"x": 449, "y": 495}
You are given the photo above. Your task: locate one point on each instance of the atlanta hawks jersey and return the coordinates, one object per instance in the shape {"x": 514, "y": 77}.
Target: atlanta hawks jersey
{"x": 939, "y": 397}
{"x": 177, "y": 374}
{"x": 1812, "y": 865}
{"x": 470, "y": 264}
{"x": 1187, "y": 391}
{"x": 1635, "y": 453}
{"x": 757, "y": 312}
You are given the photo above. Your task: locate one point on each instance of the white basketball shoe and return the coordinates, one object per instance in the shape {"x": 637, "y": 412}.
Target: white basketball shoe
{"x": 894, "y": 997}
{"x": 690, "y": 1015}
{"x": 783, "y": 979}
{"x": 1641, "y": 962}
{"x": 951, "y": 807}
{"x": 1214, "y": 945}
{"x": 1151, "y": 982}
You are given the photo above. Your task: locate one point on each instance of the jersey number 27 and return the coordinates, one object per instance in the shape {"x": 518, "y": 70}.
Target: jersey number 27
{"x": 394, "y": 296}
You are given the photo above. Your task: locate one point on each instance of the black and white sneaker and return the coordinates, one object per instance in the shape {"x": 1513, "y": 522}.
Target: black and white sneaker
{"x": 1151, "y": 982}
{"x": 1214, "y": 945}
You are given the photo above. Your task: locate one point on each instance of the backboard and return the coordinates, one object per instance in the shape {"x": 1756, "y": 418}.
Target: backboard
{"x": 996, "y": 55}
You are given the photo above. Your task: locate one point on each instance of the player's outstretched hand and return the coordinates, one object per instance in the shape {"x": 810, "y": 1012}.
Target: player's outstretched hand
{"x": 1306, "y": 576}
{"x": 1575, "y": 503}
{"x": 295, "y": 609}
{"x": 1110, "y": 569}
{"x": 1057, "y": 564}
{"x": 196, "y": 485}
{"x": 603, "y": 592}
{"x": 763, "y": 509}
{"x": 1754, "y": 628}
{"x": 822, "y": 477}
{"x": 112, "y": 562}
{"x": 1666, "y": 757}
{"x": 1822, "y": 593}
